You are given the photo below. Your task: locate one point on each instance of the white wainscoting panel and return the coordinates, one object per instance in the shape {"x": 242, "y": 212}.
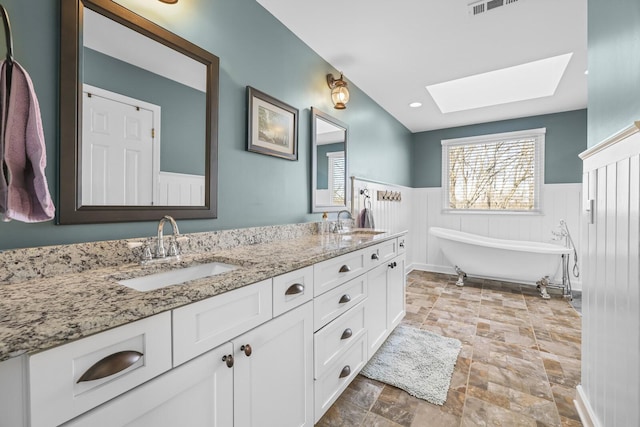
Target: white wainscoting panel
{"x": 560, "y": 201}
{"x": 180, "y": 189}
{"x": 610, "y": 386}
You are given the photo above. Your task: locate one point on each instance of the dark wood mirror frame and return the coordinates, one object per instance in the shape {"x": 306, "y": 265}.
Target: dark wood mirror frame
{"x": 70, "y": 209}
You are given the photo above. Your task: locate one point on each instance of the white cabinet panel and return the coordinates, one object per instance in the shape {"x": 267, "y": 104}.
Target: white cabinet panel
{"x": 196, "y": 394}
{"x": 337, "y": 301}
{"x": 57, "y": 394}
{"x": 201, "y": 326}
{"x": 273, "y": 385}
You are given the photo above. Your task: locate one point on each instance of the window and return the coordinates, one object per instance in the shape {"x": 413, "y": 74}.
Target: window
{"x": 336, "y": 176}
{"x": 499, "y": 172}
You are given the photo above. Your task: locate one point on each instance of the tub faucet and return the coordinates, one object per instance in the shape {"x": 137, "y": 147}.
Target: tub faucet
{"x": 173, "y": 246}
{"x": 340, "y": 223}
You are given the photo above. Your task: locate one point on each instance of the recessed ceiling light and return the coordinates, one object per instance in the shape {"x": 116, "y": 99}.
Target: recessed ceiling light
{"x": 532, "y": 80}
{"x": 415, "y": 104}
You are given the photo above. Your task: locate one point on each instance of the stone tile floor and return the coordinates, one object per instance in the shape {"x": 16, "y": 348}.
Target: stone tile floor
{"x": 519, "y": 364}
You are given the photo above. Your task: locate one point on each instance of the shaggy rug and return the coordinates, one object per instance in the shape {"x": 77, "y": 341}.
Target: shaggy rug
{"x": 417, "y": 361}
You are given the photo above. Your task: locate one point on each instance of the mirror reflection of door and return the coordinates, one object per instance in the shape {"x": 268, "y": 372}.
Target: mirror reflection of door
{"x": 120, "y": 154}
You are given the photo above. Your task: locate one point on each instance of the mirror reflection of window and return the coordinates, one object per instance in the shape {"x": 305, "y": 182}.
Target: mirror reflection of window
{"x": 336, "y": 177}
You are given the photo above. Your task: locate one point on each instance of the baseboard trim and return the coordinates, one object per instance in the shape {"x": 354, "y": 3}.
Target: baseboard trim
{"x": 587, "y": 416}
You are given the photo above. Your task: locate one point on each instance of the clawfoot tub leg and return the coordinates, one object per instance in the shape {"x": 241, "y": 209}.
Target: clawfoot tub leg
{"x": 542, "y": 285}
{"x": 461, "y": 275}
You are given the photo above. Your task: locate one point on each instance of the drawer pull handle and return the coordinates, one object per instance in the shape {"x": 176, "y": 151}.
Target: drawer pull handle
{"x": 345, "y": 371}
{"x": 345, "y": 299}
{"x": 345, "y": 269}
{"x": 229, "y": 359}
{"x": 295, "y": 289}
{"x": 375, "y": 256}
{"x": 247, "y": 350}
{"x": 346, "y": 334}
{"x": 110, "y": 365}
{"x": 402, "y": 244}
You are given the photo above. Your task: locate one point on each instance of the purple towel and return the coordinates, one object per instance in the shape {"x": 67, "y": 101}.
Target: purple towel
{"x": 3, "y": 169}
{"x": 25, "y": 156}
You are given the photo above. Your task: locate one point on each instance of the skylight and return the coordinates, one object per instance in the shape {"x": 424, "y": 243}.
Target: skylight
{"x": 532, "y": 80}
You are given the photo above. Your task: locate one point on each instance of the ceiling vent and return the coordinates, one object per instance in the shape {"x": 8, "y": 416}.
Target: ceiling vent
{"x": 482, "y": 6}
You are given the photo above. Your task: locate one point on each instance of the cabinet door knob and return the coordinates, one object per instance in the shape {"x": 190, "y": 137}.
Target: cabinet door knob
{"x": 345, "y": 269}
{"x": 346, "y": 334}
{"x": 345, "y": 371}
{"x": 295, "y": 289}
{"x": 247, "y": 350}
{"x": 229, "y": 359}
{"x": 375, "y": 256}
{"x": 395, "y": 264}
{"x": 390, "y": 265}
{"x": 402, "y": 244}
{"x": 110, "y": 365}
{"x": 345, "y": 299}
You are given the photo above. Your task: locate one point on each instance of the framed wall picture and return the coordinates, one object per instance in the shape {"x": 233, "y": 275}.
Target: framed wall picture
{"x": 272, "y": 126}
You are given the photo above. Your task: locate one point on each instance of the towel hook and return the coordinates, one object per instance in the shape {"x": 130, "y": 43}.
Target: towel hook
{"x": 7, "y": 34}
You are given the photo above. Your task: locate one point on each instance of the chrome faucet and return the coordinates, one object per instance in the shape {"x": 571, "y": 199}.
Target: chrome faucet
{"x": 173, "y": 246}
{"x": 340, "y": 224}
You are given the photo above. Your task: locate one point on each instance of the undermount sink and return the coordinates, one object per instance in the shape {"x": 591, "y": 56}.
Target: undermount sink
{"x": 177, "y": 276}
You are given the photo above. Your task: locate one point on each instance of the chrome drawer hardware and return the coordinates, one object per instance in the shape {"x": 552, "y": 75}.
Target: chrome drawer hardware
{"x": 345, "y": 299}
{"x": 346, "y": 334}
{"x": 345, "y": 371}
{"x": 344, "y": 269}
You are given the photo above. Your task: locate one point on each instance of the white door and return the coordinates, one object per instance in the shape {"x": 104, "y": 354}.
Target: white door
{"x": 117, "y": 149}
{"x": 273, "y": 386}
{"x": 196, "y": 394}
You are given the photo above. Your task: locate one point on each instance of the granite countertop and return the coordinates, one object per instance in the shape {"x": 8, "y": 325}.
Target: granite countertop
{"x": 42, "y": 313}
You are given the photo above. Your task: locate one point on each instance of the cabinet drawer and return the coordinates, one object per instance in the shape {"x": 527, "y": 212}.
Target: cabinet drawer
{"x": 204, "y": 325}
{"x": 382, "y": 252}
{"x": 329, "y": 387}
{"x": 337, "y": 301}
{"x": 292, "y": 289}
{"x": 332, "y": 340}
{"x": 58, "y": 390}
{"x": 333, "y": 272}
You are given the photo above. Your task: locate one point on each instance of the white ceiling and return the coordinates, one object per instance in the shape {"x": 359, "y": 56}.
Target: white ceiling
{"x": 392, "y": 50}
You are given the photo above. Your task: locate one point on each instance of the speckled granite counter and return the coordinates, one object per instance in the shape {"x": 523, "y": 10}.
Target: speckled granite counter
{"x": 53, "y": 295}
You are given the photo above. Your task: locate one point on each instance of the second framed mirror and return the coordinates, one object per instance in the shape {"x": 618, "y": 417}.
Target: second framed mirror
{"x": 329, "y": 166}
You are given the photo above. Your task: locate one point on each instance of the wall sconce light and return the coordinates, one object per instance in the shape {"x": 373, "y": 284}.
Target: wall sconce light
{"x": 169, "y": 1}
{"x": 339, "y": 92}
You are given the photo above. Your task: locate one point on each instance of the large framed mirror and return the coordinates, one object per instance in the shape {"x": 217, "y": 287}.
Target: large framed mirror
{"x": 138, "y": 119}
{"x": 329, "y": 166}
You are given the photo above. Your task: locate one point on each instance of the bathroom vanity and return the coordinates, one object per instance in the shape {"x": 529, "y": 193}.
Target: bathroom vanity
{"x": 272, "y": 342}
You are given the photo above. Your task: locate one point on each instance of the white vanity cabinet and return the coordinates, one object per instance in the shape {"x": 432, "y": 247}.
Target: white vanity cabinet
{"x": 274, "y": 353}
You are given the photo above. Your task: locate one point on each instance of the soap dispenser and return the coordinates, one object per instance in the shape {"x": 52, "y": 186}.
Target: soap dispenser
{"x": 324, "y": 226}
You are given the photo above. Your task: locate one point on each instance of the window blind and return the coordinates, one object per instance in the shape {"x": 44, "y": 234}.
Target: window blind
{"x": 493, "y": 173}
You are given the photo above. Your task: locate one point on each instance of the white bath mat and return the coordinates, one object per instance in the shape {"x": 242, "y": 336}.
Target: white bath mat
{"x": 417, "y": 361}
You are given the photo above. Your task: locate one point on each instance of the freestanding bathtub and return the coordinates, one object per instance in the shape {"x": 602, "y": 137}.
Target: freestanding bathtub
{"x": 512, "y": 260}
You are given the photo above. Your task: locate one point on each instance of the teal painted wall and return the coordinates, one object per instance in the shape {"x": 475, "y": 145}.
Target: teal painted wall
{"x": 566, "y": 137}
{"x": 182, "y": 136}
{"x": 614, "y": 67}
{"x": 254, "y": 49}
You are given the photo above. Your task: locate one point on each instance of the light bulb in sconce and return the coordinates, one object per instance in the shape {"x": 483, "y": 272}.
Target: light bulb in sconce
{"x": 339, "y": 91}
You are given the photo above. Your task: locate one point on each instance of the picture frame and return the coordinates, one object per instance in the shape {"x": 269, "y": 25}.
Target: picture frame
{"x": 272, "y": 126}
